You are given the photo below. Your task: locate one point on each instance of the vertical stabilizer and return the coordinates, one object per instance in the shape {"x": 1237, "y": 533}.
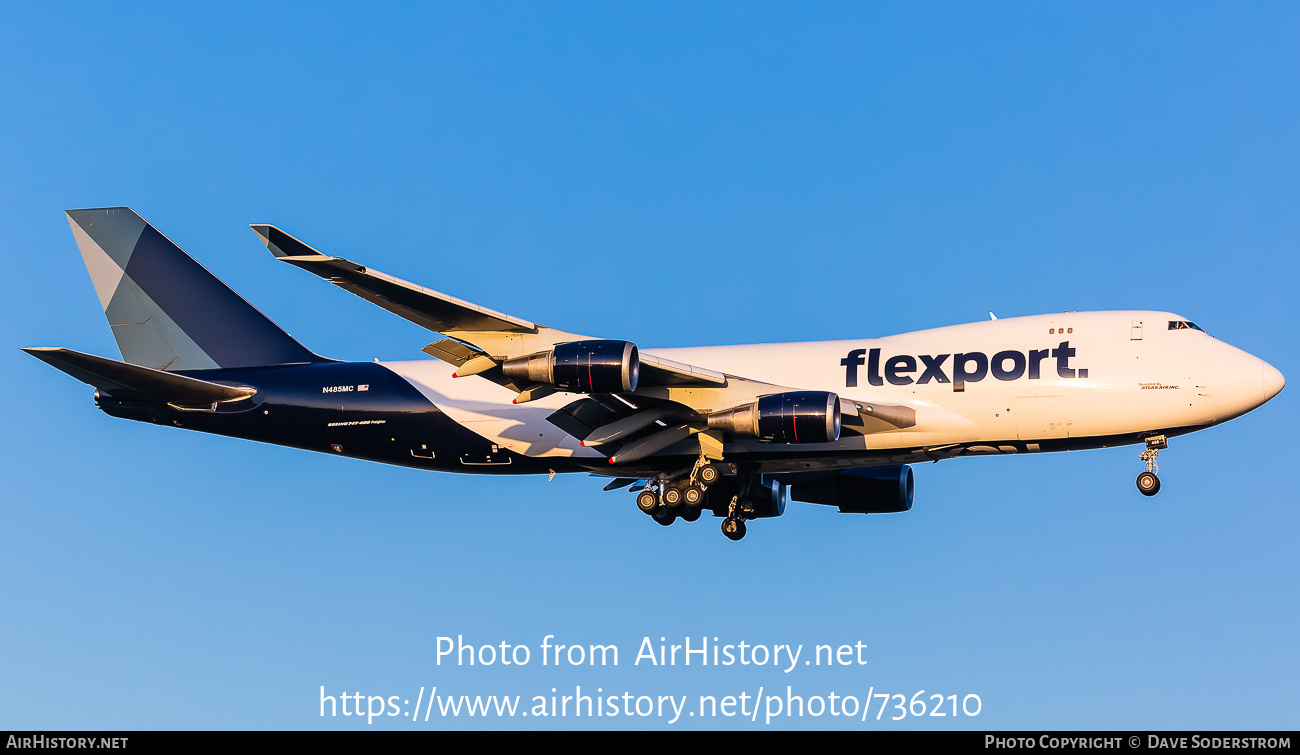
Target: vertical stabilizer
{"x": 166, "y": 310}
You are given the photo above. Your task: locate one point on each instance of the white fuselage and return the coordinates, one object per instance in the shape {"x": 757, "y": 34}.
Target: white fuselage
{"x": 1043, "y": 382}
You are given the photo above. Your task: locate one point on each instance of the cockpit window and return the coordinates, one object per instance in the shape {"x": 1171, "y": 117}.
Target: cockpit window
{"x": 1184, "y": 325}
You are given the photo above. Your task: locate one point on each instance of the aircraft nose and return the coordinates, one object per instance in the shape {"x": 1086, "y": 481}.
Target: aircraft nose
{"x": 1274, "y": 382}
{"x": 1238, "y": 381}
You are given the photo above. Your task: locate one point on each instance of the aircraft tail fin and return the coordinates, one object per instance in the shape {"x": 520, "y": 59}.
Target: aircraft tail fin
{"x": 166, "y": 310}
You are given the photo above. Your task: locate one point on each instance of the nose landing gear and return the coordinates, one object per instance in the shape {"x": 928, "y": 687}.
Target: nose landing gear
{"x": 734, "y": 525}
{"x": 1148, "y": 483}
{"x": 733, "y": 528}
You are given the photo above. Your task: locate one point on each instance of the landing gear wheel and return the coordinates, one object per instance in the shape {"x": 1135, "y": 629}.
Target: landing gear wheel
{"x": 690, "y": 515}
{"x": 1147, "y": 482}
{"x": 664, "y": 516}
{"x": 708, "y": 475}
{"x": 693, "y": 495}
{"x": 733, "y": 528}
{"x": 673, "y": 497}
{"x": 747, "y": 508}
{"x": 647, "y": 501}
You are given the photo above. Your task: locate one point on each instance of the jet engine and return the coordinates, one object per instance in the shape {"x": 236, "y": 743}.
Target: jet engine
{"x": 792, "y": 417}
{"x": 580, "y": 367}
{"x": 873, "y": 490}
{"x": 760, "y": 496}
{"x": 767, "y": 498}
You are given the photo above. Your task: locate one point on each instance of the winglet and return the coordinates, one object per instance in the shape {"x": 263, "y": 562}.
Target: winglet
{"x": 284, "y": 246}
{"x": 431, "y": 309}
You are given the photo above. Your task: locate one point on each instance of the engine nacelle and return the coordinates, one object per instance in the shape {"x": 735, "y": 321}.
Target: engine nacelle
{"x": 580, "y": 367}
{"x": 793, "y": 417}
{"x": 768, "y": 498}
{"x": 873, "y": 490}
{"x": 764, "y": 496}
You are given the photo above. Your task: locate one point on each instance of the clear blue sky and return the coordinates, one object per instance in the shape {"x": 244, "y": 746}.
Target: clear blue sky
{"x": 656, "y": 173}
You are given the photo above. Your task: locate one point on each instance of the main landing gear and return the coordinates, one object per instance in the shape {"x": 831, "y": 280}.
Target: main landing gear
{"x": 667, "y": 499}
{"x": 1148, "y": 483}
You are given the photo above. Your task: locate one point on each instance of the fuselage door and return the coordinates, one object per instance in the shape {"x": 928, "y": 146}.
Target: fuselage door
{"x": 475, "y": 450}
{"x": 1135, "y": 333}
{"x": 1041, "y": 417}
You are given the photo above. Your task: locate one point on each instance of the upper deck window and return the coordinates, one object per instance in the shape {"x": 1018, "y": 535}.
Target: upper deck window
{"x": 1184, "y": 325}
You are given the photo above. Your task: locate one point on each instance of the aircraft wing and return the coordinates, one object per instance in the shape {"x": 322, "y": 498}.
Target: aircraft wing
{"x": 431, "y": 309}
{"x": 476, "y": 331}
{"x": 639, "y": 423}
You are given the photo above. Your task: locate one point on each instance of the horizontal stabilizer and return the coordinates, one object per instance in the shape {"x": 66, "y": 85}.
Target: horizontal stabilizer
{"x": 129, "y": 380}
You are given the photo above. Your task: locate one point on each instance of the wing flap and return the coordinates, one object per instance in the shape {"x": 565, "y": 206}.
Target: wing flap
{"x": 627, "y": 426}
{"x": 452, "y": 351}
{"x": 652, "y": 444}
{"x": 619, "y": 482}
{"x": 580, "y": 418}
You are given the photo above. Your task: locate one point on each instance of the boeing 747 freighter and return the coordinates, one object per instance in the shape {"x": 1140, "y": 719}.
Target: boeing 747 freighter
{"x": 732, "y": 430}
